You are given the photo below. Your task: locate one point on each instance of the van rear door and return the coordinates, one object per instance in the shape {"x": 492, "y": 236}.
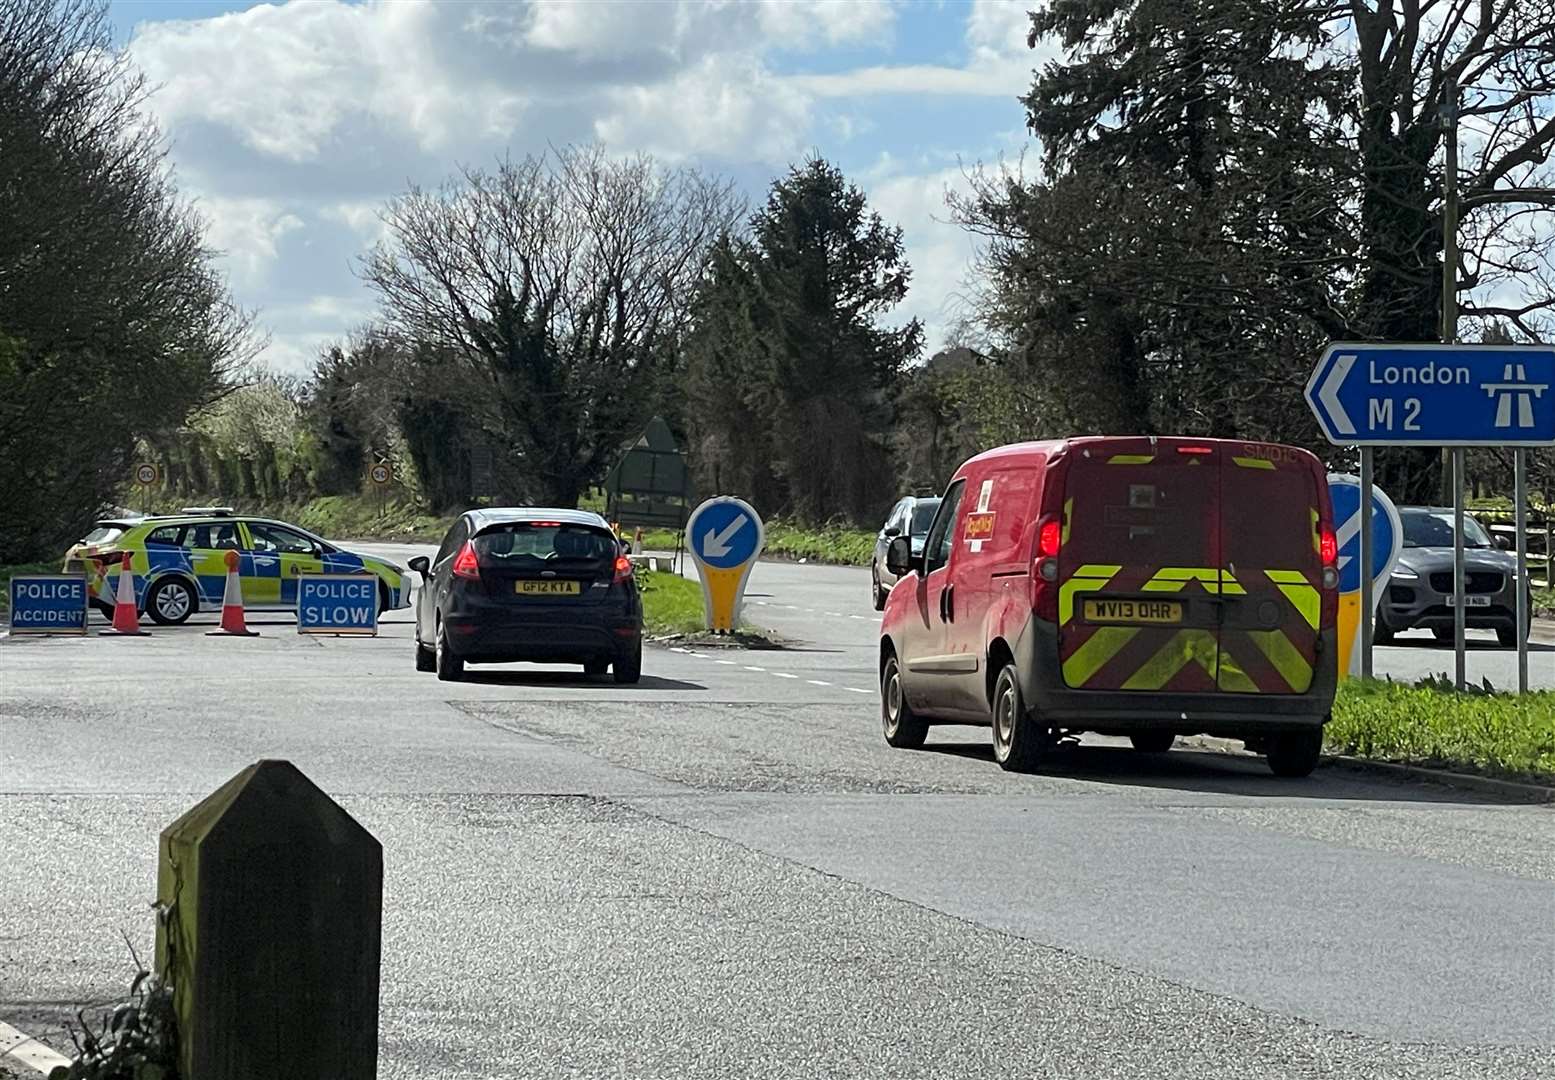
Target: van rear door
{"x": 1271, "y": 551}
{"x": 1139, "y": 599}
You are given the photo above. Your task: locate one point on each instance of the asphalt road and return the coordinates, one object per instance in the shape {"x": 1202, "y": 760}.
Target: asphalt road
{"x": 724, "y": 871}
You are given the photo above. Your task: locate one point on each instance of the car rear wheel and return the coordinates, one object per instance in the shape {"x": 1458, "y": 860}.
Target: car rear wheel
{"x": 1294, "y": 753}
{"x": 426, "y": 659}
{"x": 170, "y": 602}
{"x": 1153, "y": 742}
{"x": 1018, "y": 739}
{"x": 880, "y": 594}
{"x": 450, "y": 668}
{"x": 628, "y": 666}
{"x": 904, "y": 729}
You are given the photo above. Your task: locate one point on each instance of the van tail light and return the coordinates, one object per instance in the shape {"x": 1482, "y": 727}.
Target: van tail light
{"x": 1328, "y": 547}
{"x": 1195, "y": 449}
{"x": 1049, "y": 537}
{"x": 623, "y": 569}
{"x": 466, "y": 565}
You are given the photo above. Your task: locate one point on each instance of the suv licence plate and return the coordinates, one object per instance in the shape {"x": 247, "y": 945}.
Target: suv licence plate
{"x": 1133, "y": 612}
{"x": 1468, "y": 601}
{"x": 548, "y": 588}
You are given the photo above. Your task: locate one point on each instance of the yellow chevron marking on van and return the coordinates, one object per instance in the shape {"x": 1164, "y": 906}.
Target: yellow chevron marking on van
{"x": 1091, "y": 577}
{"x": 1232, "y": 677}
{"x": 1100, "y": 647}
{"x": 1181, "y": 649}
{"x": 1068, "y": 513}
{"x": 1286, "y": 658}
{"x": 1253, "y": 462}
{"x": 1130, "y": 459}
{"x": 1302, "y": 596}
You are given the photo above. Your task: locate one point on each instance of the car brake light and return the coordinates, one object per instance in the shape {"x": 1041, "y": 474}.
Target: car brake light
{"x": 623, "y": 568}
{"x": 1049, "y": 537}
{"x": 1328, "y": 547}
{"x": 1195, "y": 449}
{"x": 465, "y": 563}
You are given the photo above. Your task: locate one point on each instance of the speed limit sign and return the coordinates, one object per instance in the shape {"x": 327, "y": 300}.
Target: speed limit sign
{"x": 145, "y": 474}
{"x": 381, "y": 473}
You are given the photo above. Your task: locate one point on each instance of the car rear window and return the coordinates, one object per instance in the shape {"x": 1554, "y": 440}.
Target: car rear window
{"x": 922, "y": 516}
{"x": 103, "y": 534}
{"x": 535, "y": 543}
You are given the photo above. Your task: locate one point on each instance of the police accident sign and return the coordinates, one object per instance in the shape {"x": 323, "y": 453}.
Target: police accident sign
{"x": 337, "y": 604}
{"x": 48, "y": 604}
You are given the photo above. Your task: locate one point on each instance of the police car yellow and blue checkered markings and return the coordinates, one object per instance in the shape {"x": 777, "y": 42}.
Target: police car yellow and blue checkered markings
{"x": 1187, "y": 658}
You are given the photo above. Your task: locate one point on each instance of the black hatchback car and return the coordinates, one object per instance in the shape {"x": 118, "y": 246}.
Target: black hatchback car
{"x": 529, "y": 584}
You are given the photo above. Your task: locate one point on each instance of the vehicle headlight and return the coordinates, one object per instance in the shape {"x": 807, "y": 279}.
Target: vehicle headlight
{"x": 1404, "y": 573}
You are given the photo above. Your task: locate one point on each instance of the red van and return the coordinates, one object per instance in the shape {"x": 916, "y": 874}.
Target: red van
{"x": 1139, "y": 586}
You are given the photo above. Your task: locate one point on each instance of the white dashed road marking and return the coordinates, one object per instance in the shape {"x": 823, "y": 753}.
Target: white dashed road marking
{"x": 784, "y": 675}
{"x": 817, "y": 682}
{"x": 856, "y": 690}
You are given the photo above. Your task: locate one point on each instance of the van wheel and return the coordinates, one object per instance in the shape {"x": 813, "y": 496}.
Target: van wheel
{"x": 1153, "y": 742}
{"x": 1018, "y": 739}
{"x": 1295, "y": 753}
{"x": 904, "y": 729}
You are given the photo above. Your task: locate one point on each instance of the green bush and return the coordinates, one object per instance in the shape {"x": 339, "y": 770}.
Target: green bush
{"x": 1430, "y": 724}
{"x": 841, "y": 545}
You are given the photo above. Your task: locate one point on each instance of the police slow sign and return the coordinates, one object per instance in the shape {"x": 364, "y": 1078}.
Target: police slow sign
{"x": 48, "y": 604}
{"x": 337, "y": 604}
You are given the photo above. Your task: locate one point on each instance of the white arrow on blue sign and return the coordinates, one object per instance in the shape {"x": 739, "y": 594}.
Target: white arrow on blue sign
{"x": 1387, "y": 532}
{"x": 1435, "y": 395}
{"x": 725, "y": 533}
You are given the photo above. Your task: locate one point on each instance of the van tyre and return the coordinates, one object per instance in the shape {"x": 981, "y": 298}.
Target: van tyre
{"x": 450, "y": 668}
{"x": 628, "y": 666}
{"x": 426, "y": 659}
{"x": 904, "y": 729}
{"x": 1152, "y": 742}
{"x": 1294, "y": 753}
{"x": 170, "y": 602}
{"x": 1018, "y": 739}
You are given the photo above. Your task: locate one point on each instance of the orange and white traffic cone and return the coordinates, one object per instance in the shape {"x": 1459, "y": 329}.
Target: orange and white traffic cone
{"x": 126, "y": 617}
{"x": 232, "y": 604}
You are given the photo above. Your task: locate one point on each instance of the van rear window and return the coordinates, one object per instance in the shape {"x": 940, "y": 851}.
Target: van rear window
{"x": 1268, "y": 518}
{"x": 1159, "y": 513}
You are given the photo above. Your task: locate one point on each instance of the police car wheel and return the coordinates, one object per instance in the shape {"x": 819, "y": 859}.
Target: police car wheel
{"x": 1294, "y": 753}
{"x": 903, "y": 728}
{"x": 450, "y": 668}
{"x": 170, "y": 602}
{"x": 1018, "y": 739}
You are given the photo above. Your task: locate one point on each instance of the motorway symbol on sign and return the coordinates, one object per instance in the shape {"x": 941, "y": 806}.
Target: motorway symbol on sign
{"x": 1387, "y": 533}
{"x": 726, "y": 536}
{"x": 337, "y": 604}
{"x": 145, "y": 474}
{"x": 1435, "y": 395}
{"x": 48, "y": 604}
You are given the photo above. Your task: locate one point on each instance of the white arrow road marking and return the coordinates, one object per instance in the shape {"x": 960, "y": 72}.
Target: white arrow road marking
{"x": 1328, "y": 394}
{"x": 717, "y": 544}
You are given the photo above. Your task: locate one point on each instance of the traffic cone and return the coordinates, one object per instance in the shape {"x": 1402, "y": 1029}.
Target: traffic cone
{"x": 232, "y": 604}
{"x": 126, "y": 617}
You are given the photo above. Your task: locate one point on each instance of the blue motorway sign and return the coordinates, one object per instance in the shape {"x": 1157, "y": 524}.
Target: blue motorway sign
{"x": 1435, "y": 395}
{"x": 48, "y": 604}
{"x": 724, "y": 533}
{"x": 337, "y": 604}
{"x": 1387, "y": 532}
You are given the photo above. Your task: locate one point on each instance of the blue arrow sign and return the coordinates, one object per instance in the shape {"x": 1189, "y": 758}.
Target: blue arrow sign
{"x": 1435, "y": 395}
{"x": 1387, "y": 538}
{"x": 724, "y": 533}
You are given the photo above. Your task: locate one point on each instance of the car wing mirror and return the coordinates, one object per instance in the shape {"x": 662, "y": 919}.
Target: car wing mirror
{"x": 891, "y": 531}
{"x": 899, "y": 558}
{"x": 1504, "y": 543}
{"x": 421, "y": 565}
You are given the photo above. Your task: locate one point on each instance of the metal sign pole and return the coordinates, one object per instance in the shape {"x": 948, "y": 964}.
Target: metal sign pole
{"x": 1458, "y": 614}
{"x": 1520, "y": 495}
{"x": 1368, "y": 601}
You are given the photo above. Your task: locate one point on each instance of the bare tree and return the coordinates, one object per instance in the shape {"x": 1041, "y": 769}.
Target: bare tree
{"x": 559, "y": 281}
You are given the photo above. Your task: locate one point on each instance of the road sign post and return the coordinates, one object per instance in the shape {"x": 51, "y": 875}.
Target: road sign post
{"x": 48, "y": 604}
{"x": 337, "y": 604}
{"x": 1368, "y": 545}
{"x": 1355, "y": 581}
{"x": 726, "y": 537}
{"x": 1449, "y": 395}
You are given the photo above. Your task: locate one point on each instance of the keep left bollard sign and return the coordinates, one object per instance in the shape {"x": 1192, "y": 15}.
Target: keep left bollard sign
{"x": 337, "y": 604}
{"x": 48, "y": 604}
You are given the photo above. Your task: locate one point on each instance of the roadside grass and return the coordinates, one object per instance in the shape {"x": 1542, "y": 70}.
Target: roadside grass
{"x": 1544, "y": 602}
{"x": 836, "y": 544}
{"x": 9, "y": 571}
{"x": 360, "y": 517}
{"x": 1501, "y": 734}
{"x": 672, "y": 607}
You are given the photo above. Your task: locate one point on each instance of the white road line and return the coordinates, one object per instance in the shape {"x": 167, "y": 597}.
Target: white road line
{"x": 834, "y": 614}
{"x": 817, "y": 682}
{"x": 784, "y": 675}
{"x": 24, "y": 1050}
{"x": 856, "y": 690}
{"x": 864, "y": 618}
{"x": 748, "y": 667}
{"x": 729, "y": 662}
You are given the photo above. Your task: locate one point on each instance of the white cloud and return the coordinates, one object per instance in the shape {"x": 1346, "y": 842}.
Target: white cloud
{"x": 939, "y": 251}
{"x": 247, "y": 231}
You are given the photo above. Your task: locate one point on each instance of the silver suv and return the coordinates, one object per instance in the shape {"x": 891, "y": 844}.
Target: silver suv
{"x": 1420, "y": 593}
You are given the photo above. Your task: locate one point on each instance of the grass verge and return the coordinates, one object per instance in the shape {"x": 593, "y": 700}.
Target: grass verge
{"x": 7, "y": 572}
{"x": 1507, "y": 735}
{"x": 837, "y": 545}
{"x": 672, "y": 607}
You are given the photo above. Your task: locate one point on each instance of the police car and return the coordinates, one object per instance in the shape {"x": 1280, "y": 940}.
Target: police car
{"x": 179, "y": 562}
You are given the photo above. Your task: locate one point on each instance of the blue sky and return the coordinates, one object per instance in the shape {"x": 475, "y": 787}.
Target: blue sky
{"x": 291, "y": 123}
